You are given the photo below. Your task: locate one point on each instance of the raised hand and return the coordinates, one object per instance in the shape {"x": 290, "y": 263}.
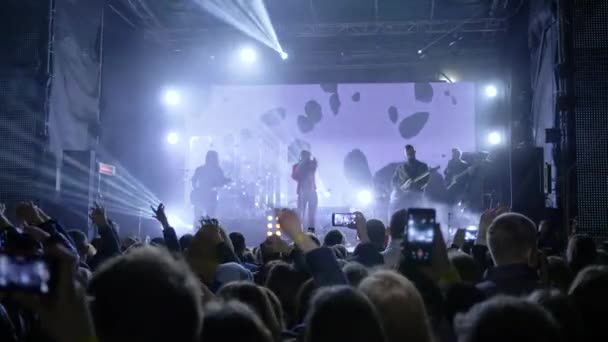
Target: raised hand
{"x": 276, "y": 245}
{"x": 361, "y": 226}
{"x": 484, "y": 223}
{"x": 159, "y": 214}
{"x": 29, "y": 213}
{"x": 65, "y": 315}
{"x": 4, "y": 222}
{"x": 98, "y": 216}
{"x": 290, "y": 223}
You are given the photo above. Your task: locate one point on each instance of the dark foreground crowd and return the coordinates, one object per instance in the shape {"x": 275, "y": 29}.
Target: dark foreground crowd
{"x": 513, "y": 283}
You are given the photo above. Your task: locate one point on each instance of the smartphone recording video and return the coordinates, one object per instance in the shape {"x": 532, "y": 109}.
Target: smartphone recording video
{"x": 420, "y": 234}
{"x": 470, "y": 234}
{"x": 344, "y": 220}
{"x": 27, "y": 274}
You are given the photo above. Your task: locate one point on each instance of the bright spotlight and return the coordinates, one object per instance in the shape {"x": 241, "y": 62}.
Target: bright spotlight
{"x": 491, "y": 91}
{"x": 248, "y": 55}
{"x": 365, "y": 197}
{"x": 284, "y": 55}
{"x": 494, "y": 138}
{"x": 172, "y": 138}
{"x": 171, "y": 97}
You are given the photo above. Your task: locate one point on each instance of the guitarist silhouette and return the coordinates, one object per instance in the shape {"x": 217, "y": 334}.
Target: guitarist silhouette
{"x": 205, "y": 183}
{"x": 409, "y": 181}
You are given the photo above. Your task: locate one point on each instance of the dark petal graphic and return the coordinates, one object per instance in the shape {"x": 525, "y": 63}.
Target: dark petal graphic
{"x": 273, "y": 117}
{"x": 304, "y": 124}
{"x": 330, "y": 88}
{"x": 356, "y": 97}
{"x": 446, "y": 93}
{"x": 454, "y": 101}
{"x": 423, "y": 92}
{"x": 411, "y": 125}
{"x": 393, "y": 114}
{"x": 313, "y": 111}
{"x": 334, "y": 103}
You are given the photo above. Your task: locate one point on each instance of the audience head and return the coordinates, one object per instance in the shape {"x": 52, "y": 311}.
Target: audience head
{"x": 588, "y": 291}
{"x": 399, "y": 305}
{"x": 397, "y": 224}
{"x": 355, "y": 272}
{"x": 303, "y": 298}
{"x": 146, "y": 295}
{"x": 503, "y": 319}
{"x": 305, "y": 155}
{"x": 284, "y": 281}
{"x": 563, "y": 310}
{"x": 81, "y": 242}
{"x": 342, "y": 313}
{"x": 468, "y": 268}
{"x": 581, "y": 252}
{"x": 238, "y": 242}
{"x": 254, "y": 296}
{"x": 232, "y": 322}
{"x": 511, "y": 239}
{"x": 333, "y": 237}
{"x": 340, "y": 251}
{"x": 456, "y": 153}
{"x": 460, "y": 298}
{"x": 185, "y": 241}
{"x": 377, "y": 233}
{"x": 559, "y": 274}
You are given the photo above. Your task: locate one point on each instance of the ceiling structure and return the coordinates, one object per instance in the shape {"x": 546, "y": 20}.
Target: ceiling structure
{"x": 338, "y": 33}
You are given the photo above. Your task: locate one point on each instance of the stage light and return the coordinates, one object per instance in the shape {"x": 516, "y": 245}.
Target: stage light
{"x": 269, "y": 226}
{"x": 365, "y": 197}
{"x": 284, "y": 55}
{"x": 269, "y": 234}
{"x": 277, "y": 233}
{"x": 171, "y": 97}
{"x": 172, "y": 138}
{"x": 495, "y": 138}
{"x": 248, "y": 55}
{"x": 278, "y": 226}
{"x": 269, "y": 217}
{"x": 491, "y": 91}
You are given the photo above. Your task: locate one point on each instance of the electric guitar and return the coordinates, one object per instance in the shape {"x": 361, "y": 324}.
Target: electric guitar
{"x": 410, "y": 182}
{"x": 459, "y": 177}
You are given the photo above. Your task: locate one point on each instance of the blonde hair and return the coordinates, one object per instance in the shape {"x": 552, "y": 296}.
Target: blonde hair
{"x": 400, "y": 306}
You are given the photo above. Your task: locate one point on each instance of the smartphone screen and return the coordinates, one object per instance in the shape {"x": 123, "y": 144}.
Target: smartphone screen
{"x": 470, "y": 233}
{"x": 343, "y": 220}
{"x": 420, "y": 234}
{"x": 27, "y": 274}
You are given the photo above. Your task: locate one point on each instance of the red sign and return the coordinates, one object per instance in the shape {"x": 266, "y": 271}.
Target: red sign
{"x": 107, "y": 169}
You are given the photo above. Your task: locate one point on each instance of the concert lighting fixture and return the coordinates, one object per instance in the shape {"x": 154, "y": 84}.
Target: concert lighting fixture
{"x": 284, "y": 55}
{"x": 494, "y": 138}
{"x": 248, "y": 55}
{"x": 172, "y": 138}
{"x": 171, "y": 97}
{"x": 491, "y": 91}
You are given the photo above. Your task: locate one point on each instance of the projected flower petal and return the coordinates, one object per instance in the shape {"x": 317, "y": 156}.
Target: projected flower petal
{"x": 423, "y": 92}
{"x": 393, "y": 114}
{"x": 335, "y": 103}
{"x": 313, "y": 111}
{"x": 330, "y": 88}
{"x": 411, "y": 125}
{"x": 356, "y": 97}
{"x": 304, "y": 124}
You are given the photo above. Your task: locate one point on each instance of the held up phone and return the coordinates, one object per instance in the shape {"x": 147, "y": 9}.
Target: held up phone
{"x": 470, "y": 233}
{"x": 32, "y": 274}
{"x": 343, "y": 220}
{"x": 420, "y": 235}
